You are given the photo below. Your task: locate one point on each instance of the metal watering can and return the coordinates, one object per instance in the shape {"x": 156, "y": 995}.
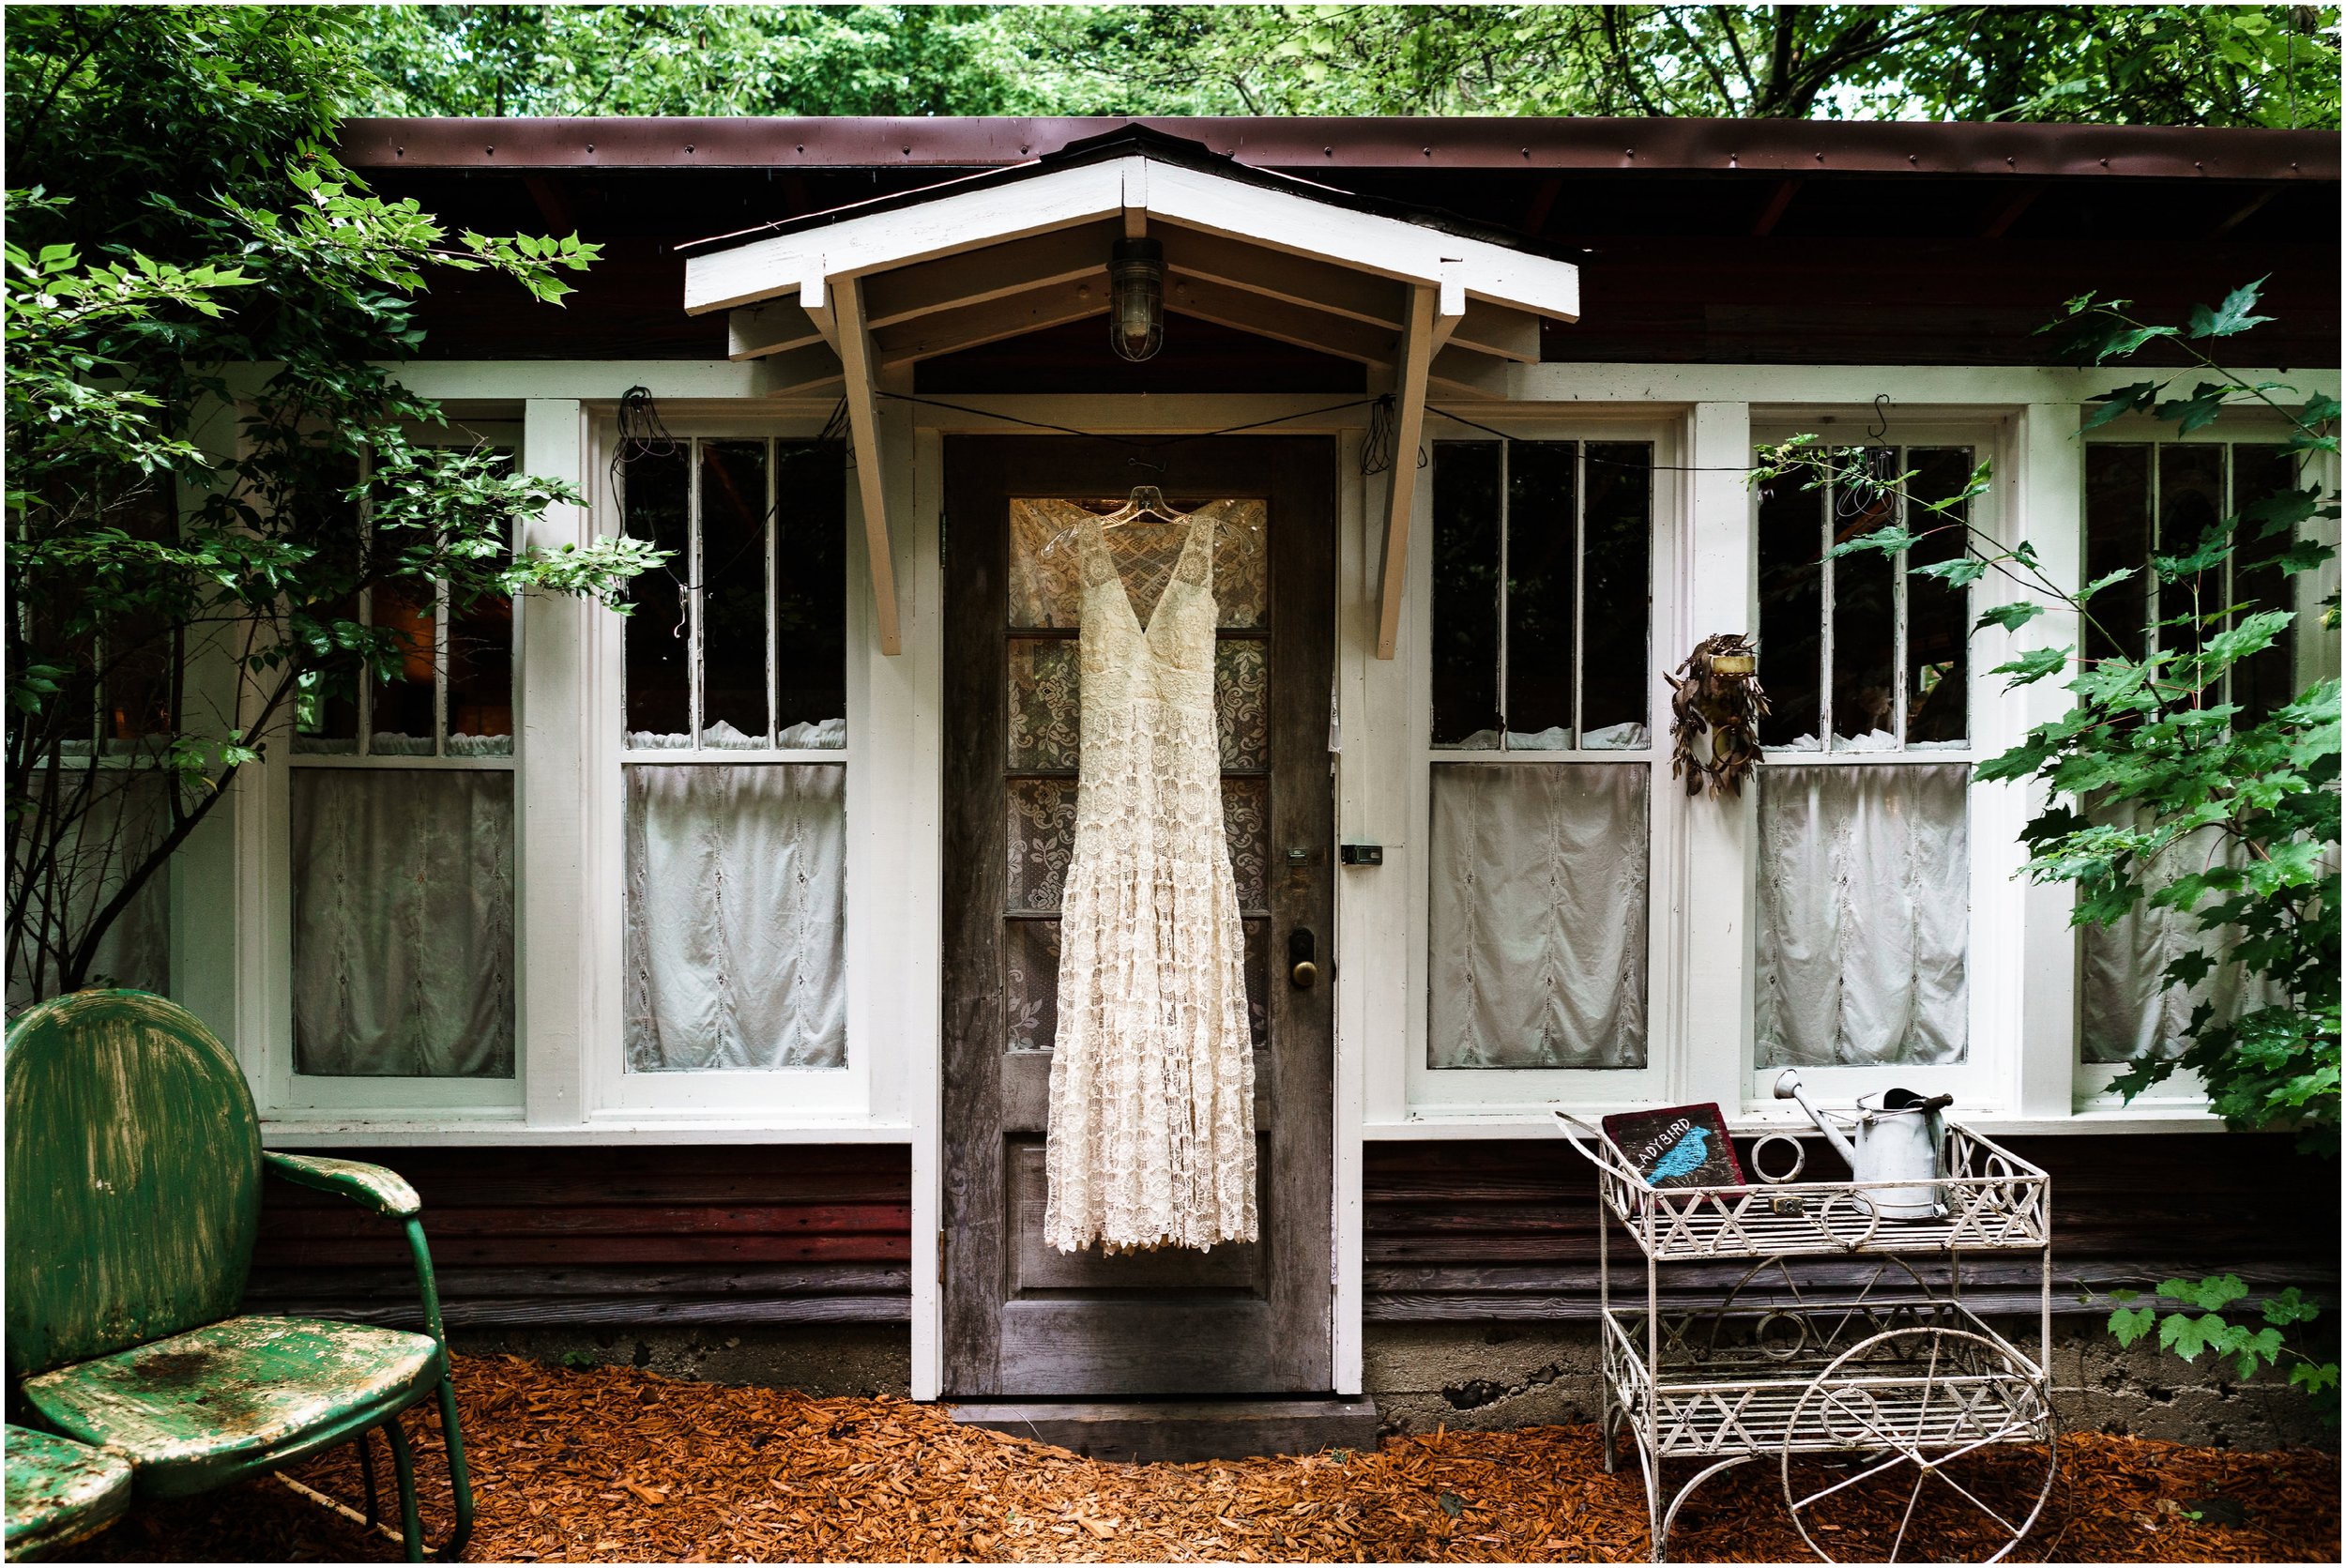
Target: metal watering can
{"x": 1895, "y": 1137}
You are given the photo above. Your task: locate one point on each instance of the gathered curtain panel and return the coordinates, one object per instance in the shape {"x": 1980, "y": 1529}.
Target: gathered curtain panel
{"x": 1538, "y": 915}
{"x": 124, "y": 820}
{"x": 1863, "y": 915}
{"x": 2125, "y": 1010}
{"x": 736, "y": 942}
{"x": 402, "y": 920}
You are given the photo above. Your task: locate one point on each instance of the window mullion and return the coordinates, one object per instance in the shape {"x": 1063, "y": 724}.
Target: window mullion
{"x": 1899, "y": 665}
{"x": 773, "y": 611}
{"x": 1824, "y": 609}
{"x": 366, "y": 599}
{"x": 440, "y": 597}
{"x": 695, "y": 698}
{"x": 1580, "y": 583}
{"x": 1507, "y": 520}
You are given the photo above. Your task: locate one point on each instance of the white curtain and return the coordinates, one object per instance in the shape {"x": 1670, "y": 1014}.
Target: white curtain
{"x": 125, "y": 818}
{"x": 402, "y": 921}
{"x": 1863, "y": 914}
{"x": 2125, "y": 1012}
{"x": 735, "y": 917}
{"x": 1537, "y": 949}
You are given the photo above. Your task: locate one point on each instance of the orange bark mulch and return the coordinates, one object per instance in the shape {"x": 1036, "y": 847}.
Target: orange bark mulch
{"x": 616, "y": 1465}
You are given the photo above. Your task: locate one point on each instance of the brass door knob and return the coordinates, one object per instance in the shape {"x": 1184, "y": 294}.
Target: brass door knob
{"x": 1303, "y": 975}
{"x": 1302, "y": 959}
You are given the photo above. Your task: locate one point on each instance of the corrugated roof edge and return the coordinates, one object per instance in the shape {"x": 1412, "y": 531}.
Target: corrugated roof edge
{"x": 1306, "y": 142}
{"x": 1124, "y": 141}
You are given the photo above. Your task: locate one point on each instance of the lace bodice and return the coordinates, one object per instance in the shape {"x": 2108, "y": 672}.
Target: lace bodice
{"x": 1151, "y": 1138}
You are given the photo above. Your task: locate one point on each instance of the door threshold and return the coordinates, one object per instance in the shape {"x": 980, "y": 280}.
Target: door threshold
{"x": 1180, "y": 1431}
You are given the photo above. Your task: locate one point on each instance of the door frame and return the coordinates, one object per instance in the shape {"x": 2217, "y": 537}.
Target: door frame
{"x": 1300, "y": 1170}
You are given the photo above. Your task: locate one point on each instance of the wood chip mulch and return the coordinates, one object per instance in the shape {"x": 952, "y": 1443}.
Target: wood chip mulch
{"x": 618, "y": 1465}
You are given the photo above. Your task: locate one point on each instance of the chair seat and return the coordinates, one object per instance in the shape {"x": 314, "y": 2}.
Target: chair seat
{"x": 199, "y": 1408}
{"x": 60, "y": 1491}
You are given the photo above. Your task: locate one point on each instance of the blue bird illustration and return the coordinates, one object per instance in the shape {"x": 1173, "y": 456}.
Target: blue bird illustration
{"x": 1687, "y": 1154}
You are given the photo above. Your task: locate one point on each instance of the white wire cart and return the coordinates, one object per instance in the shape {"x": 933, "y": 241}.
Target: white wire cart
{"x": 1789, "y": 1320}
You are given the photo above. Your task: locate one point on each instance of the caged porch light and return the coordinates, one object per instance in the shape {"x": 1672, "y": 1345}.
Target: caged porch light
{"x": 1136, "y": 299}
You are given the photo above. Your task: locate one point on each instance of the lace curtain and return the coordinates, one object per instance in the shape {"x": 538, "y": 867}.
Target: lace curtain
{"x": 402, "y": 920}
{"x": 135, "y": 951}
{"x": 2125, "y": 1011}
{"x": 1537, "y": 925}
{"x": 1863, "y": 915}
{"x": 736, "y": 941}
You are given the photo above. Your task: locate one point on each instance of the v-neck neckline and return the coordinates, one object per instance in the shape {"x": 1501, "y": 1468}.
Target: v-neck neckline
{"x": 1131, "y": 613}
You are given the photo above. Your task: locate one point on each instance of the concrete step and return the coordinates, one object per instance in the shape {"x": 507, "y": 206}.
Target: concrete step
{"x": 1181, "y": 1430}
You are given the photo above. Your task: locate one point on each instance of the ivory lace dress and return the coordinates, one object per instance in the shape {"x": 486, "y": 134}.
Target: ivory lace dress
{"x": 1151, "y": 1138}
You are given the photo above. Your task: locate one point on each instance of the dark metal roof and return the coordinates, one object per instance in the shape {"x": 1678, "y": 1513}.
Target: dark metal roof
{"x": 1306, "y": 143}
{"x": 1121, "y": 142}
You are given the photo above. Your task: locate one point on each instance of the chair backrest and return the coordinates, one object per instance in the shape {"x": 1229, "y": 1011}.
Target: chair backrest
{"x": 133, "y": 1177}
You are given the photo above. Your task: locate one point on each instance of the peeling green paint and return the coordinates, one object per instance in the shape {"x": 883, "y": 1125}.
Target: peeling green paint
{"x": 231, "y": 1392}
{"x": 386, "y": 1192}
{"x": 59, "y": 1492}
{"x": 133, "y": 1177}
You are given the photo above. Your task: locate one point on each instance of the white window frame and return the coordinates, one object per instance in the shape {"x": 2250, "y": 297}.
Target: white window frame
{"x": 2310, "y": 661}
{"x": 1988, "y": 1079}
{"x": 1447, "y": 1092}
{"x": 282, "y": 1090}
{"x": 796, "y": 1093}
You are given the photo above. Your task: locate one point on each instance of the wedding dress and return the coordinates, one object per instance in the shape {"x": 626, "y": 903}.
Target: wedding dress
{"x": 1152, "y": 1139}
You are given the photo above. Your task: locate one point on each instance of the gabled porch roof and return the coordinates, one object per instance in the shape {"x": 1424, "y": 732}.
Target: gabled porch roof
{"x": 844, "y": 296}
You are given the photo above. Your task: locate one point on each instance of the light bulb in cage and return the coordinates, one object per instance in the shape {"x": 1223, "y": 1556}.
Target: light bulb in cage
{"x": 1137, "y": 298}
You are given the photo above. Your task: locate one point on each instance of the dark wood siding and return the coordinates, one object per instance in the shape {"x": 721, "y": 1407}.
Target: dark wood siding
{"x": 702, "y": 1234}
{"x": 1462, "y": 1232}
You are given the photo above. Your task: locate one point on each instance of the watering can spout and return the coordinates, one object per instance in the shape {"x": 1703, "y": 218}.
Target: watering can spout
{"x": 1787, "y": 1088}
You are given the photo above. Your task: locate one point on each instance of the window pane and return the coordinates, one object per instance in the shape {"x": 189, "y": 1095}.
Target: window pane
{"x": 1542, "y": 554}
{"x": 811, "y": 595}
{"x": 2125, "y": 1010}
{"x": 480, "y": 677}
{"x": 1465, "y": 593}
{"x": 2117, "y": 535}
{"x": 1938, "y": 617}
{"x": 1536, "y": 948}
{"x": 2263, "y": 681}
{"x": 654, "y": 489}
{"x": 2190, "y": 502}
{"x": 732, "y": 578}
{"x": 405, "y": 610}
{"x": 1792, "y": 611}
{"x": 1864, "y": 612}
{"x": 326, "y": 707}
{"x": 1616, "y": 607}
{"x": 1863, "y": 915}
{"x": 736, "y": 942}
{"x": 126, "y": 816}
{"x": 402, "y": 921}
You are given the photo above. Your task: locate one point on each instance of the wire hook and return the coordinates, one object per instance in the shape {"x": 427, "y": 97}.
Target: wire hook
{"x": 1882, "y": 417}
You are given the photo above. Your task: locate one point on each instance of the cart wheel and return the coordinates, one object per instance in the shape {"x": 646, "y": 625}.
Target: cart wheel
{"x": 1920, "y": 1445}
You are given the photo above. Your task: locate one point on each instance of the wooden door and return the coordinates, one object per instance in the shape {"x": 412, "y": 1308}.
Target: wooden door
{"x": 1020, "y": 1318}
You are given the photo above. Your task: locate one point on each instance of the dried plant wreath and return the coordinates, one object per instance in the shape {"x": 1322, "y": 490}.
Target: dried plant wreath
{"x": 1716, "y": 691}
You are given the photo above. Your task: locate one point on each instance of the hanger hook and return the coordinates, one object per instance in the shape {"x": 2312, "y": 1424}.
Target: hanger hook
{"x": 1882, "y": 418}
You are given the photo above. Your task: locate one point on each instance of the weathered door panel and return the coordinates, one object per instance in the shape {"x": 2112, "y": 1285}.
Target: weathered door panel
{"x": 1021, "y": 1319}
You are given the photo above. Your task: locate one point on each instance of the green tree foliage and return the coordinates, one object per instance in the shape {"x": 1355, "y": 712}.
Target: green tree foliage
{"x": 2152, "y": 757}
{"x": 185, "y": 559}
{"x": 2170, "y": 64}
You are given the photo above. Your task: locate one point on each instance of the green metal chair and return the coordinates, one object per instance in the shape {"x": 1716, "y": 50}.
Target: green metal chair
{"x": 134, "y": 1165}
{"x": 60, "y": 1493}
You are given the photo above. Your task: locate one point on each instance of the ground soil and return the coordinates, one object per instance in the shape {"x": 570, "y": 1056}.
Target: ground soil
{"x": 618, "y": 1465}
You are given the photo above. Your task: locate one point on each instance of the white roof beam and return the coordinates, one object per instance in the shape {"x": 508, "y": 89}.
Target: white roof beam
{"x": 860, "y": 364}
{"x": 776, "y": 326}
{"x": 1061, "y": 256}
{"x": 945, "y": 225}
{"x": 805, "y": 369}
{"x": 1409, "y": 428}
{"x": 1289, "y": 324}
{"x": 948, "y": 331}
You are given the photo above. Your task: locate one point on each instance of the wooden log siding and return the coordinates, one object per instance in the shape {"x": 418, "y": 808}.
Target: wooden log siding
{"x": 1482, "y": 1231}
{"x": 546, "y": 1237}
